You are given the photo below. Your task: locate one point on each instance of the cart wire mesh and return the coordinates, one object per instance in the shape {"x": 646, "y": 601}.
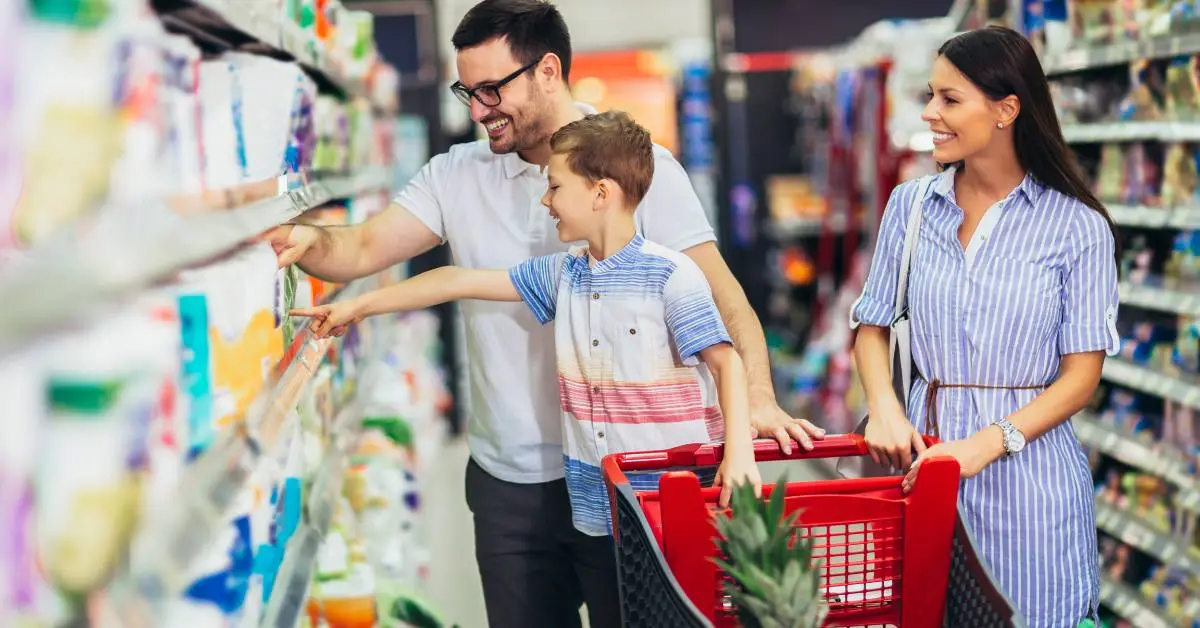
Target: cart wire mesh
{"x": 861, "y": 566}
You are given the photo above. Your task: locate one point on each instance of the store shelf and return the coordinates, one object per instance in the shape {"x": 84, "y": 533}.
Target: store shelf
{"x": 233, "y": 21}
{"x": 1132, "y": 131}
{"x": 1121, "y": 53}
{"x": 1141, "y": 535}
{"x": 1128, "y": 603}
{"x": 1160, "y": 299}
{"x": 167, "y": 548}
{"x": 1150, "y": 381}
{"x": 1095, "y": 435}
{"x": 1155, "y": 217}
{"x": 120, "y": 252}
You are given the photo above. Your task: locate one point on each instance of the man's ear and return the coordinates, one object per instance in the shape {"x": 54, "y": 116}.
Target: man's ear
{"x": 549, "y": 71}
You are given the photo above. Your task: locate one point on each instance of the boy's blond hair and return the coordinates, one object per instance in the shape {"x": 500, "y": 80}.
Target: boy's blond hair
{"x": 609, "y": 145}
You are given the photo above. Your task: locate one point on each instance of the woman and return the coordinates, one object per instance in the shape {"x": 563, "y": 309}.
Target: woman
{"x": 1013, "y": 301}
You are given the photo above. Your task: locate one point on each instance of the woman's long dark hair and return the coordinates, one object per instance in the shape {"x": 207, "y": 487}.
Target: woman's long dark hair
{"x": 1002, "y": 63}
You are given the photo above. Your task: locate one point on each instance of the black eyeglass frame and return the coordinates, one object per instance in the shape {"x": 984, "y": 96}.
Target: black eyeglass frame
{"x": 465, "y": 94}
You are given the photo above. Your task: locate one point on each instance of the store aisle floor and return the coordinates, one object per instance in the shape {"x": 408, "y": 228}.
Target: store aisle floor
{"x": 453, "y": 586}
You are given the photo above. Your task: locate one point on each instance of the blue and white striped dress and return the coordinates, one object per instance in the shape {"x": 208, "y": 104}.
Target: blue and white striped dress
{"x": 1037, "y": 281}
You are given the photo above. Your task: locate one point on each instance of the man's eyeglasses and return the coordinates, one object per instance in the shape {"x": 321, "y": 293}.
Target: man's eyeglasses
{"x": 488, "y": 95}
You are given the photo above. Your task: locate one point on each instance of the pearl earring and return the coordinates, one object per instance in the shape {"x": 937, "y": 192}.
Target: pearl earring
{"x": 999, "y": 125}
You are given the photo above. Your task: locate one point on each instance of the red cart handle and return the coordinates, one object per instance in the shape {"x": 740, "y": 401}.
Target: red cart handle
{"x": 765, "y": 450}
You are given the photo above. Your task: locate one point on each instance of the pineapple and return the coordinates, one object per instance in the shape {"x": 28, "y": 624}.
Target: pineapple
{"x": 774, "y": 582}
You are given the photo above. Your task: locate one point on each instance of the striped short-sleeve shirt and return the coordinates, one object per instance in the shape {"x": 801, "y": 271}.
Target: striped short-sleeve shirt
{"x": 628, "y": 333}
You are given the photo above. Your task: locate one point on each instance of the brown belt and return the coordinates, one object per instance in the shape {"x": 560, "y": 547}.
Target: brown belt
{"x": 931, "y": 398}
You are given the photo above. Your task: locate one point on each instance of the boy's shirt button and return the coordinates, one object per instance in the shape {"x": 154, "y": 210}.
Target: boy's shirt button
{"x": 595, "y": 296}
{"x": 595, "y": 343}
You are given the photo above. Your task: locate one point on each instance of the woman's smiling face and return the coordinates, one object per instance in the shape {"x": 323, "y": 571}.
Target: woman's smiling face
{"x": 962, "y": 118}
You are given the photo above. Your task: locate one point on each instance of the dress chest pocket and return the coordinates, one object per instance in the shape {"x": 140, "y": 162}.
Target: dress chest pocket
{"x": 1027, "y": 291}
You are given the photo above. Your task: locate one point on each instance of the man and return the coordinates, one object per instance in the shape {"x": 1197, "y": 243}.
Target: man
{"x": 483, "y": 199}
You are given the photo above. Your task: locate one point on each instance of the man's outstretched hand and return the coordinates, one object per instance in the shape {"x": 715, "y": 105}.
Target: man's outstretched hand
{"x": 768, "y": 420}
{"x": 290, "y": 242}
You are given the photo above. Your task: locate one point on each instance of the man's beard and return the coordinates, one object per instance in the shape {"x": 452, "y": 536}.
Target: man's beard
{"x": 531, "y": 133}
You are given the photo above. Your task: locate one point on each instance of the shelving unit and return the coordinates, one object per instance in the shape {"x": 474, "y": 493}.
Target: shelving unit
{"x": 117, "y": 256}
{"x": 1164, "y": 385}
{"x": 1130, "y": 604}
{"x": 1095, "y": 435}
{"x": 1160, "y": 299}
{"x": 121, "y": 253}
{"x": 1155, "y": 217}
{"x": 1132, "y": 131}
{"x": 1154, "y": 301}
{"x": 1143, "y": 536}
{"x": 1120, "y": 53}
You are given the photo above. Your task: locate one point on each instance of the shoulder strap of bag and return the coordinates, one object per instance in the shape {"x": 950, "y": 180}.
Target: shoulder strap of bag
{"x": 900, "y": 341}
{"x": 911, "y": 235}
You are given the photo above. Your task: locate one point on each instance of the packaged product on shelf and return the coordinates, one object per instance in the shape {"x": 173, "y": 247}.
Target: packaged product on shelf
{"x": 224, "y": 155}
{"x": 275, "y": 100}
{"x": 219, "y": 584}
{"x": 1179, "y": 175}
{"x": 1110, "y": 176}
{"x": 66, "y": 124}
{"x": 356, "y": 36}
{"x": 332, "y": 135}
{"x": 10, "y": 28}
{"x": 279, "y": 511}
{"x": 105, "y": 387}
{"x": 23, "y": 405}
{"x": 236, "y": 299}
{"x": 181, "y": 95}
{"x": 139, "y": 174}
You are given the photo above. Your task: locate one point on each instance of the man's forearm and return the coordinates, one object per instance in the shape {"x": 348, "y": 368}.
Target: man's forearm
{"x": 750, "y": 341}
{"x": 337, "y": 255}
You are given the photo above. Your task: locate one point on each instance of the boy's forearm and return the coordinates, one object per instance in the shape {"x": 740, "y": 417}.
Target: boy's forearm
{"x": 440, "y": 285}
{"x": 733, "y": 396}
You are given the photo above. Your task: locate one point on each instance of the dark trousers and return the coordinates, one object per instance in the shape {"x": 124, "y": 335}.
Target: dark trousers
{"x": 536, "y": 568}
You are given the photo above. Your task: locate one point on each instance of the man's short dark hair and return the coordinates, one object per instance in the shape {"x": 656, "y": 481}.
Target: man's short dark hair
{"x": 533, "y": 28}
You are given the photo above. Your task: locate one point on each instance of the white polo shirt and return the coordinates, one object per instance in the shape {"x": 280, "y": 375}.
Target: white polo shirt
{"x": 487, "y": 207}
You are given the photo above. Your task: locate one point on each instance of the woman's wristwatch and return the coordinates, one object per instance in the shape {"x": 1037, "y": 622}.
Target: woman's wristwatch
{"x": 1014, "y": 440}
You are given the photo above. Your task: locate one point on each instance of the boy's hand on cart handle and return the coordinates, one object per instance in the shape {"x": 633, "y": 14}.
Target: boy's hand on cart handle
{"x": 892, "y": 439}
{"x": 737, "y": 467}
{"x": 973, "y": 455}
{"x": 768, "y": 420}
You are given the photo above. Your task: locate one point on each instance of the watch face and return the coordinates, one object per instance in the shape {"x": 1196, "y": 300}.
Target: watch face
{"x": 1014, "y": 441}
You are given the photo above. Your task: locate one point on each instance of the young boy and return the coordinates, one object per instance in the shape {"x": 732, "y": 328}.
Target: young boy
{"x": 640, "y": 341}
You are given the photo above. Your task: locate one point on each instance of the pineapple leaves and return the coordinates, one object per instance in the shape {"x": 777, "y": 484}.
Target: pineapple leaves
{"x": 774, "y": 581}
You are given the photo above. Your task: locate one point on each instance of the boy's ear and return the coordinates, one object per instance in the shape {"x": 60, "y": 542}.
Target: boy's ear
{"x": 604, "y": 193}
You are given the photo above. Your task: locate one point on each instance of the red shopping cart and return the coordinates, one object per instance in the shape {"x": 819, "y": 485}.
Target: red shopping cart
{"x": 886, "y": 558}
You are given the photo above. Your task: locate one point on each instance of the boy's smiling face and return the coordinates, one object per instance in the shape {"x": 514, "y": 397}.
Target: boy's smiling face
{"x": 572, "y": 201}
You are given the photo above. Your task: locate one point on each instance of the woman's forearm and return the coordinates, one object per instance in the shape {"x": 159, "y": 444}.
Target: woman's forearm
{"x": 1070, "y": 393}
{"x": 871, "y": 358}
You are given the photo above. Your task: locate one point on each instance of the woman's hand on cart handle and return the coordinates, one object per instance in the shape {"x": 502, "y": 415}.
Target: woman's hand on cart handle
{"x": 973, "y": 455}
{"x": 892, "y": 439}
